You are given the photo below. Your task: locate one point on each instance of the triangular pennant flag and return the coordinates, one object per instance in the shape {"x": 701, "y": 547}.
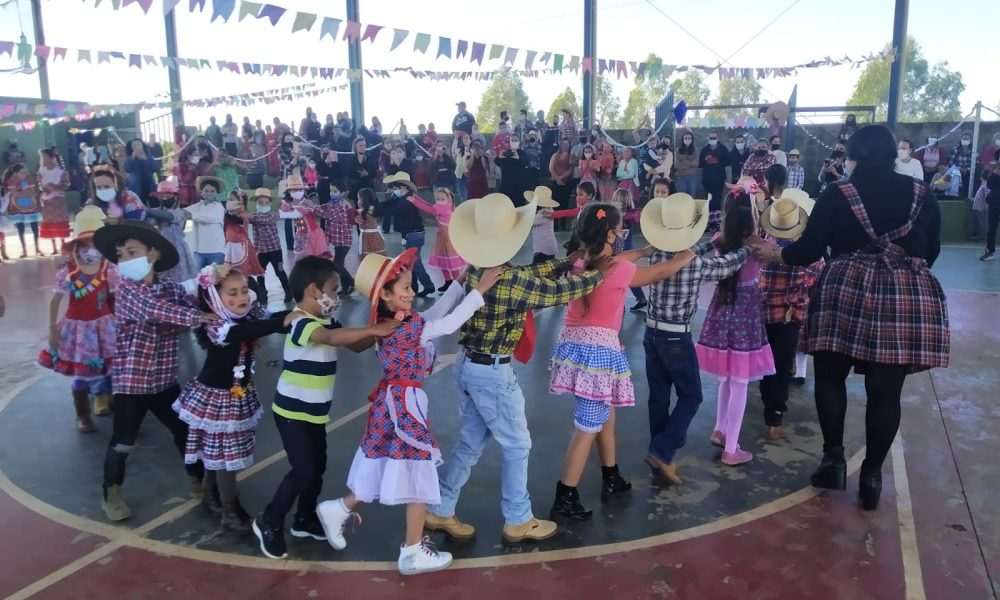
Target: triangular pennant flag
{"x": 134, "y": 60}
{"x": 145, "y": 4}
{"x": 370, "y": 32}
{"x": 199, "y": 4}
{"x": 546, "y": 58}
{"x": 422, "y": 42}
{"x": 43, "y": 52}
{"x": 530, "y": 59}
{"x": 203, "y": 62}
{"x": 7, "y": 48}
{"x": 463, "y": 49}
{"x": 249, "y": 9}
{"x": 602, "y": 65}
{"x": 622, "y": 71}
{"x": 223, "y": 9}
{"x": 60, "y": 53}
{"x": 496, "y": 51}
{"x": 352, "y": 32}
{"x": 168, "y": 5}
{"x": 557, "y": 63}
{"x": 588, "y": 65}
{"x": 398, "y": 35}
{"x": 221, "y": 64}
{"x": 478, "y": 51}
{"x": 330, "y": 27}
{"x": 574, "y": 64}
{"x": 272, "y": 12}
{"x": 103, "y": 57}
{"x": 444, "y": 47}
{"x": 149, "y": 60}
{"x": 510, "y": 57}
{"x": 303, "y": 21}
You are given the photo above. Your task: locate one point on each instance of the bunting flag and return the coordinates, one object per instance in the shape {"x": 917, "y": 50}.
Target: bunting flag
{"x": 144, "y": 4}
{"x": 199, "y": 4}
{"x": 134, "y": 60}
{"x": 370, "y": 32}
{"x": 529, "y": 60}
{"x": 272, "y": 12}
{"x": 444, "y": 47}
{"x": 510, "y": 57}
{"x": 330, "y": 27}
{"x": 477, "y": 53}
{"x": 303, "y": 21}
{"x": 352, "y": 32}
{"x": 588, "y": 65}
{"x": 463, "y": 49}
{"x": 251, "y": 9}
{"x": 398, "y": 36}
{"x": 422, "y": 42}
{"x": 223, "y": 9}
{"x": 168, "y": 5}
{"x": 495, "y": 51}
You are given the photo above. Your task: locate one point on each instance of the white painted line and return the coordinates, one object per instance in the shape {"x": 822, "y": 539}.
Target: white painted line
{"x": 912, "y": 573}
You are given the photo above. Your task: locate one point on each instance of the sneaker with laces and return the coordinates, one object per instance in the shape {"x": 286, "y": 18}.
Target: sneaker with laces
{"x": 986, "y": 256}
{"x": 333, "y": 518}
{"x": 272, "y": 539}
{"x": 422, "y": 558}
{"x": 308, "y": 527}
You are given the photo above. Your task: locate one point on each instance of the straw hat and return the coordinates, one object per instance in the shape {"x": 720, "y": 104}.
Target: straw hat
{"x": 542, "y": 196}
{"x": 488, "y": 232}
{"x": 400, "y": 178}
{"x": 167, "y": 187}
{"x": 784, "y": 219}
{"x": 777, "y": 113}
{"x": 375, "y": 270}
{"x": 88, "y": 220}
{"x": 219, "y": 184}
{"x": 105, "y": 239}
{"x": 262, "y": 193}
{"x": 294, "y": 183}
{"x": 801, "y": 197}
{"x": 674, "y": 223}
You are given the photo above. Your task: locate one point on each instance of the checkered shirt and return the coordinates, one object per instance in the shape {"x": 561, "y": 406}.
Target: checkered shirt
{"x": 149, "y": 319}
{"x": 675, "y": 299}
{"x": 785, "y": 290}
{"x": 496, "y": 327}
{"x": 755, "y": 167}
{"x": 265, "y": 231}
{"x": 796, "y": 177}
{"x": 337, "y": 225}
{"x": 979, "y": 202}
{"x": 959, "y": 159}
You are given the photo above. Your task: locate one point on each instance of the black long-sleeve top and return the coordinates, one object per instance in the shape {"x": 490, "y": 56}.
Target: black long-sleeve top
{"x": 993, "y": 184}
{"x": 887, "y": 197}
{"x": 736, "y": 160}
{"x": 354, "y": 166}
{"x": 405, "y": 215}
{"x": 220, "y": 360}
{"x": 513, "y": 177}
{"x": 714, "y": 172}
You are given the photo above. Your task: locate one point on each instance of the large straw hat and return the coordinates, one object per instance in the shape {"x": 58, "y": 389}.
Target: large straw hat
{"x": 400, "y": 178}
{"x": 784, "y": 219}
{"x": 88, "y": 220}
{"x": 674, "y": 223}
{"x": 777, "y": 114}
{"x": 105, "y": 239}
{"x": 375, "y": 270}
{"x": 262, "y": 193}
{"x": 542, "y": 196}
{"x": 801, "y": 197}
{"x": 167, "y": 187}
{"x": 488, "y": 232}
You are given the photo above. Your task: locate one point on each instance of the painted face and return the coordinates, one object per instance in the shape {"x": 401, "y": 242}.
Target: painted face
{"x": 86, "y": 253}
{"x": 399, "y": 296}
{"x": 235, "y": 294}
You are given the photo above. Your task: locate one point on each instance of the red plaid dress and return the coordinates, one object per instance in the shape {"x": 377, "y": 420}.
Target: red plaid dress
{"x": 877, "y": 304}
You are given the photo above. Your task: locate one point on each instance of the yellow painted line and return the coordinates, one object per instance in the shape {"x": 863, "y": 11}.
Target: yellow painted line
{"x": 913, "y": 574}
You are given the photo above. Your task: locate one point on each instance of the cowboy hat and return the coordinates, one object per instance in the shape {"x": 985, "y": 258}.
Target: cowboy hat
{"x": 106, "y": 239}
{"x": 542, "y": 196}
{"x": 219, "y": 184}
{"x": 88, "y": 220}
{"x": 375, "y": 270}
{"x": 400, "y": 178}
{"x": 488, "y": 232}
{"x": 784, "y": 219}
{"x": 801, "y": 197}
{"x": 777, "y": 113}
{"x": 674, "y": 223}
{"x": 167, "y": 187}
{"x": 294, "y": 183}
{"x": 262, "y": 193}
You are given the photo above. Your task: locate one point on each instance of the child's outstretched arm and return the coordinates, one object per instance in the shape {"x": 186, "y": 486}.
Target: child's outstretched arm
{"x": 668, "y": 268}
{"x": 356, "y": 339}
{"x": 473, "y": 301}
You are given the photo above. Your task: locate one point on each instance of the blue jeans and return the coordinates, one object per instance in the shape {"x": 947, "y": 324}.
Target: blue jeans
{"x": 415, "y": 239}
{"x": 463, "y": 188}
{"x": 670, "y": 362}
{"x": 202, "y": 260}
{"x": 492, "y": 406}
{"x": 688, "y": 185}
{"x": 96, "y": 387}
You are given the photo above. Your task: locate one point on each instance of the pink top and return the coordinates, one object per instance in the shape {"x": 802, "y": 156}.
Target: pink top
{"x": 607, "y": 302}
{"x": 749, "y": 270}
{"x": 441, "y": 211}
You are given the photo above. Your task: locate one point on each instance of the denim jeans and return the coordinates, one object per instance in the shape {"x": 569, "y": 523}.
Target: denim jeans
{"x": 463, "y": 188}
{"x": 688, "y": 185}
{"x": 670, "y": 362}
{"x": 202, "y": 260}
{"x": 95, "y": 387}
{"x": 305, "y": 445}
{"x": 416, "y": 239}
{"x": 492, "y": 406}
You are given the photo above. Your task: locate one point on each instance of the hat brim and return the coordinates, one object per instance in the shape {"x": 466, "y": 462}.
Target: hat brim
{"x": 783, "y": 234}
{"x": 801, "y": 198}
{"x": 672, "y": 240}
{"x": 403, "y": 183}
{"x": 543, "y": 202}
{"x": 164, "y": 194}
{"x": 209, "y": 179}
{"x": 106, "y": 237}
{"x": 380, "y": 273}
{"x": 482, "y": 251}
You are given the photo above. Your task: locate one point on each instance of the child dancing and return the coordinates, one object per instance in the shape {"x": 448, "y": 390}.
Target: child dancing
{"x": 22, "y": 205}
{"x": 397, "y": 460}
{"x": 443, "y": 255}
{"x": 171, "y": 220}
{"x": 240, "y": 252}
{"x": 337, "y": 225}
{"x": 630, "y": 216}
{"x": 372, "y": 241}
{"x": 309, "y": 237}
{"x": 264, "y": 222}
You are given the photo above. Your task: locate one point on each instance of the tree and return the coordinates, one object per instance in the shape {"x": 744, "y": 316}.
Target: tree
{"x": 691, "y": 89}
{"x": 505, "y": 92}
{"x": 735, "y": 91}
{"x": 608, "y": 105}
{"x": 649, "y": 90}
{"x": 926, "y": 95}
{"x": 567, "y": 100}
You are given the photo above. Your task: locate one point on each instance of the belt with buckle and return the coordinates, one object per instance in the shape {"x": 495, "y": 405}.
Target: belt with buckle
{"x": 487, "y": 359}
{"x": 671, "y": 327}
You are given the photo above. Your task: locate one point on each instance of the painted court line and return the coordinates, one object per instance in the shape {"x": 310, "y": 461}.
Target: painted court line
{"x": 912, "y": 572}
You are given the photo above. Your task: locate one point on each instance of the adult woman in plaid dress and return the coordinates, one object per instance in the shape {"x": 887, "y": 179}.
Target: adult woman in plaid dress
{"x": 876, "y": 307}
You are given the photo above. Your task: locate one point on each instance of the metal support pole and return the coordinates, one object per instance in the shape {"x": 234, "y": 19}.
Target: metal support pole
{"x": 43, "y": 69}
{"x": 973, "y": 171}
{"x": 590, "y": 51}
{"x": 173, "y": 73}
{"x": 354, "y": 62}
{"x": 898, "y": 67}
{"x": 793, "y": 101}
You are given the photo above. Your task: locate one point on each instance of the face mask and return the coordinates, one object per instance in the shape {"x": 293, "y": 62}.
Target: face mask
{"x": 298, "y": 195}
{"x": 327, "y": 305}
{"x": 106, "y": 195}
{"x": 966, "y": 142}
{"x": 89, "y": 255}
{"x": 581, "y": 199}
{"x": 594, "y": 132}
{"x": 740, "y": 146}
{"x": 837, "y": 153}
{"x": 195, "y": 160}
{"x": 775, "y": 146}
{"x": 932, "y": 140}
{"x": 398, "y": 193}
{"x": 263, "y": 209}
{"x": 515, "y": 145}
{"x": 760, "y": 153}
{"x": 168, "y": 202}
{"x": 135, "y": 269}
{"x": 712, "y": 142}
{"x": 312, "y": 165}
{"x": 209, "y": 198}
{"x": 336, "y": 196}
{"x": 902, "y": 154}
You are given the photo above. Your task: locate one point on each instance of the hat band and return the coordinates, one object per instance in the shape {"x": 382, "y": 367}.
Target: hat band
{"x": 776, "y": 228}
{"x": 697, "y": 220}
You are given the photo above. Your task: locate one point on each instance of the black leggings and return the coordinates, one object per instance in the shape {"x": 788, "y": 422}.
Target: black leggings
{"x": 883, "y": 385}
{"x": 274, "y": 259}
{"x": 991, "y": 232}
{"x": 34, "y": 232}
{"x": 339, "y": 256}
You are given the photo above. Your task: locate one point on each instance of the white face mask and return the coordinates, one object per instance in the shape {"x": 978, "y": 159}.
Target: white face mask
{"x": 106, "y": 195}
{"x": 135, "y": 269}
{"x": 263, "y": 209}
{"x": 739, "y": 146}
{"x": 712, "y": 142}
{"x": 514, "y": 145}
{"x": 328, "y": 305}
{"x": 312, "y": 165}
{"x": 195, "y": 160}
{"x": 297, "y": 195}
{"x": 966, "y": 142}
{"x": 932, "y": 140}
{"x": 903, "y": 154}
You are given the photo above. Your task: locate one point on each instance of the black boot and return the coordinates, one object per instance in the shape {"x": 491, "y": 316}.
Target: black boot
{"x": 263, "y": 290}
{"x": 567, "y": 504}
{"x": 444, "y": 288}
{"x": 832, "y": 471}
{"x": 283, "y": 278}
{"x": 612, "y": 483}
{"x": 870, "y": 487}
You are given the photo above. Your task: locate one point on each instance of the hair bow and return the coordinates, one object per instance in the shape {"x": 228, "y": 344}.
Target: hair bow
{"x": 211, "y": 275}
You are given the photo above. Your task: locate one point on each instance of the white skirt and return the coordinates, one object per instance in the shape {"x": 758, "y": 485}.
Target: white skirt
{"x": 393, "y": 482}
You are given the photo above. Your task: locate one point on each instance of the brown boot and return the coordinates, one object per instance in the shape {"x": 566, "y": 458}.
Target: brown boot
{"x": 234, "y": 517}
{"x": 773, "y": 433}
{"x": 81, "y": 402}
{"x": 210, "y": 496}
{"x": 102, "y": 405}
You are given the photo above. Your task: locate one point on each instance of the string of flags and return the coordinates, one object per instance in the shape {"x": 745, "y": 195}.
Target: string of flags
{"x": 355, "y": 32}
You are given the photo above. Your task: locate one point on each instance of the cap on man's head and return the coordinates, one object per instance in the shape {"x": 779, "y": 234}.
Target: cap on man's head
{"x": 794, "y": 153}
{"x": 460, "y": 104}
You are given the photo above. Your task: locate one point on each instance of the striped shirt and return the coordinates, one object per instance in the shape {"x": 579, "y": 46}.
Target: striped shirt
{"x": 305, "y": 388}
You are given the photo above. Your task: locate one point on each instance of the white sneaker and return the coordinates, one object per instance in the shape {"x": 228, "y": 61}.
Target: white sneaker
{"x": 422, "y": 558}
{"x": 333, "y": 516}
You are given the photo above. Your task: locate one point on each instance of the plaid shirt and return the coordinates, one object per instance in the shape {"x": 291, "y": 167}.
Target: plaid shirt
{"x": 796, "y": 177}
{"x": 149, "y": 319}
{"x": 675, "y": 299}
{"x": 979, "y": 202}
{"x": 496, "y": 327}
{"x": 755, "y": 167}
{"x": 958, "y": 159}
{"x": 265, "y": 231}
{"x": 338, "y": 228}
{"x": 785, "y": 290}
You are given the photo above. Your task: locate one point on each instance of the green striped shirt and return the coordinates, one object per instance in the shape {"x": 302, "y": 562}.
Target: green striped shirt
{"x": 305, "y": 388}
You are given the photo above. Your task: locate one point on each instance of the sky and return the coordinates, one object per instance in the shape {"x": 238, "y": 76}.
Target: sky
{"x": 627, "y": 30}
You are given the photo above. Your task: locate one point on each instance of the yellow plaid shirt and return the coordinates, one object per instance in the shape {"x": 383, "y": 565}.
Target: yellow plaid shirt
{"x": 496, "y": 327}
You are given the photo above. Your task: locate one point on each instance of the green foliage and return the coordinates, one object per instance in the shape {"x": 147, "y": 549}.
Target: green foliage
{"x": 736, "y": 91}
{"x": 608, "y": 105}
{"x": 568, "y": 100}
{"x": 649, "y": 90}
{"x": 691, "y": 89}
{"x": 927, "y": 95}
{"x": 505, "y": 92}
